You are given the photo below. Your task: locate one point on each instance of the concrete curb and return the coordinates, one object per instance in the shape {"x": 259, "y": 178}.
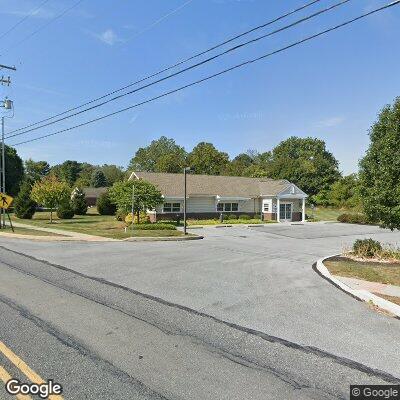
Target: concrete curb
{"x": 361, "y": 295}
{"x": 163, "y": 239}
{"x": 42, "y": 238}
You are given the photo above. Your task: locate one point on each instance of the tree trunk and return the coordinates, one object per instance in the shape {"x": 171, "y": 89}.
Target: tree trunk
{"x": 51, "y": 215}
{"x": 138, "y": 216}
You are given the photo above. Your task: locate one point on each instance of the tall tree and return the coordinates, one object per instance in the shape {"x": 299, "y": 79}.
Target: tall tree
{"x": 206, "y": 159}
{"x": 380, "y": 169}
{"x": 306, "y": 162}
{"x": 162, "y": 155}
{"x": 238, "y": 165}
{"x": 24, "y": 206}
{"x": 147, "y": 196}
{"x": 50, "y": 192}
{"x": 112, "y": 173}
{"x": 14, "y": 171}
{"x": 36, "y": 170}
{"x": 98, "y": 179}
{"x": 68, "y": 171}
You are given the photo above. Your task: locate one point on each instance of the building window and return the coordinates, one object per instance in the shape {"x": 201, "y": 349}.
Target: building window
{"x": 266, "y": 207}
{"x": 172, "y": 207}
{"x": 227, "y": 207}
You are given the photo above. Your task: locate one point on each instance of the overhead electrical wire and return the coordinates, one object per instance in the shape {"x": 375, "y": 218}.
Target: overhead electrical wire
{"x": 342, "y": 2}
{"x": 280, "y": 50}
{"x": 58, "y": 16}
{"x": 33, "y": 12}
{"x": 281, "y": 17}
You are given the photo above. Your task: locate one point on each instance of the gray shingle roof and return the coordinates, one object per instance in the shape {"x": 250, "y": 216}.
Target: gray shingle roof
{"x": 94, "y": 192}
{"x": 172, "y": 185}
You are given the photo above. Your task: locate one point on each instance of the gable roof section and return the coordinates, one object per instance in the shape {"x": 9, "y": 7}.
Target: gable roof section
{"x": 172, "y": 185}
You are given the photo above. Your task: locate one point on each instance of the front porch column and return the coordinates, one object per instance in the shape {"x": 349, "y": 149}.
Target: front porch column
{"x": 303, "y": 214}
{"x": 278, "y": 208}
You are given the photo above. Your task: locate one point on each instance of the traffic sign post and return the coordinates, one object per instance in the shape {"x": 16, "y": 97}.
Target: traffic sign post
{"x": 5, "y": 203}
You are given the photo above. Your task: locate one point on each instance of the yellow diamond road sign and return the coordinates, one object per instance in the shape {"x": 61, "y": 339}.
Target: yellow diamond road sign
{"x": 5, "y": 201}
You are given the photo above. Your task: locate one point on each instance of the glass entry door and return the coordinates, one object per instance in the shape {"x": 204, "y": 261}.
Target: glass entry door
{"x": 285, "y": 212}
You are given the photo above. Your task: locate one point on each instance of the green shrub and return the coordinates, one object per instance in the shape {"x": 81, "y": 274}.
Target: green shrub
{"x": 24, "y": 206}
{"x": 244, "y": 216}
{"x": 257, "y": 216}
{"x": 79, "y": 202}
{"x": 143, "y": 218}
{"x": 154, "y": 227}
{"x": 349, "y": 218}
{"x": 120, "y": 215}
{"x": 65, "y": 210}
{"x": 232, "y": 216}
{"x": 366, "y": 248}
{"x": 105, "y": 207}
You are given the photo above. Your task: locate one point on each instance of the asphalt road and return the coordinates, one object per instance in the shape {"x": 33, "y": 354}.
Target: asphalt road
{"x": 240, "y": 314}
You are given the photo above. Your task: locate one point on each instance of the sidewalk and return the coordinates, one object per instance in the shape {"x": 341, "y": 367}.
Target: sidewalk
{"x": 70, "y": 234}
{"x": 373, "y": 287}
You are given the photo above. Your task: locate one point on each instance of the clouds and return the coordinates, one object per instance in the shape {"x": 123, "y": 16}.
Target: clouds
{"x": 108, "y": 37}
{"x": 329, "y": 122}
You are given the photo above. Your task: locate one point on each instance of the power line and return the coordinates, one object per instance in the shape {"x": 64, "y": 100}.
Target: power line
{"x": 58, "y": 16}
{"x": 185, "y": 69}
{"x": 174, "y": 65}
{"x": 33, "y": 12}
{"x": 158, "y": 21}
{"x": 282, "y": 49}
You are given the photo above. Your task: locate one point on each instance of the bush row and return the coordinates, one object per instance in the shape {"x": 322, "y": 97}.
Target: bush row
{"x": 154, "y": 227}
{"x": 349, "y": 218}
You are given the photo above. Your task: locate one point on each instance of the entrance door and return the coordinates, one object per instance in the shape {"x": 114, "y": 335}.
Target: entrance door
{"x": 285, "y": 212}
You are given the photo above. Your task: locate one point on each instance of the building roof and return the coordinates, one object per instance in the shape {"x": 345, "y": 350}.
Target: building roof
{"x": 172, "y": 185}
{"x": 94, "y": 192}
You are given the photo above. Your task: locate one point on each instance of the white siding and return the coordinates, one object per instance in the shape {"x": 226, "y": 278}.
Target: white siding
{"x": 201, "y": 204}
{"x": 249, "y": 206}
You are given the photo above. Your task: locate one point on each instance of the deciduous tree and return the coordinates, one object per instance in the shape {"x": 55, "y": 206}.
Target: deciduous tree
{"x": 206, "y": 159}
{"x": 380, "y": 169}
{"x": 50, "y": 192}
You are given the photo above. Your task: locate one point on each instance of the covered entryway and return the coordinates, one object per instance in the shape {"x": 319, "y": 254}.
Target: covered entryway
{"x": 285, "y": 212}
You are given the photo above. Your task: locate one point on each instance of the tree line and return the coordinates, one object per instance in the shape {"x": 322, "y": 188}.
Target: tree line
{"x": 306, "y": 162}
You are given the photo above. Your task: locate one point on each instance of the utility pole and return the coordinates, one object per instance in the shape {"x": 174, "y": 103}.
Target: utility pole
{"x": 185, "y": 171}
{"x": 7, "y": 105}
{"x": 133, "y": 206}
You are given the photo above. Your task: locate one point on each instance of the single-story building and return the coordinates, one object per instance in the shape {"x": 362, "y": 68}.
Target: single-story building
{"x": 209, "y": 196}
{"x": 92, "y": 194}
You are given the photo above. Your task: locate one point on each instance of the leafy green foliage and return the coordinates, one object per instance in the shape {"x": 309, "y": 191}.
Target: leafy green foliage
{"x": 206, "y": 159}
{"x": 50, "y": 192}
{"x": 112, "y": 173}
{"x": 36, "y": 170}
{"x": 104, "y": 205}
{"x": 65, "y": 210}
{"x": 366, "y": 248}
{"x": 349, "y": 218}
{"x": 162, "y": 155}
{"x": 24, "y": 206}
{"x": 380, "y": 169}
{"x": 146, "y": 195}
{"x": 14, "y": 171}
{"x": 98, "y": 179}
{"x": 305, "y": 162}
{"x": 154, "y": 227}
{"x": 68, "y": 171}
{"x": 78, "y": 201}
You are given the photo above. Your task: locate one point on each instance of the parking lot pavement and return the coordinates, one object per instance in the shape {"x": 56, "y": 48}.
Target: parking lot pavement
{"x": 259, "y": 277}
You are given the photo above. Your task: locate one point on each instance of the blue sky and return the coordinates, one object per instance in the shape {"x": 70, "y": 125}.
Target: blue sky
{"x": 331, "y": 88}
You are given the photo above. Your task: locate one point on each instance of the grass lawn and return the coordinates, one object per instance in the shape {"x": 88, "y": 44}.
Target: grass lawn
{"x": 325, "y": 213}
{"x": 93, "y": 224}
{"x": 27, "y": 231}
{"x": 369, "y": 271}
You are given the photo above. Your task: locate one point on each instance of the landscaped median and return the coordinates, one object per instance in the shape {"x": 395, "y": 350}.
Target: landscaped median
{"x": 369, "y": 272}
